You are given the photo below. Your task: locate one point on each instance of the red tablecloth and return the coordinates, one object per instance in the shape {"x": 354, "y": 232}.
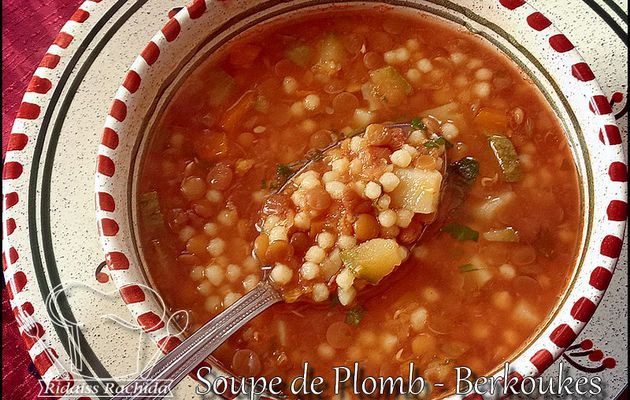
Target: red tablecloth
{"x": 28, "y": 28}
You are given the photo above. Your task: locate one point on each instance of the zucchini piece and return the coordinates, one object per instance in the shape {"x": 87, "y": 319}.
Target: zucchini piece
{"x": 447, "y": 112}
{"x": 373, "y": 260}
{"x": 476, "y": 274}
{"x": 149, "y": 205}
{"x": 390, "y": 85}
{"x": 506, "y": 156}
{"x": 502, "y": 235}
{"x": 332, "y": 54}
{"x": 370, "y": 94}
{"x": 418, "y": 190}
{"x": 222, "y": 87}
{"x": 300, "y": 54}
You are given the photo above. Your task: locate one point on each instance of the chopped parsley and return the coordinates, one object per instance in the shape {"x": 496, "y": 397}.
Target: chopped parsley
{"x": 468, "y": 268}
{"x": 417, "y": 124}
{"x": 437, "y": 142}
{"x": 355, "y": 315}
{"x": 284, "y": 171}
{"x": 460, "y": 232}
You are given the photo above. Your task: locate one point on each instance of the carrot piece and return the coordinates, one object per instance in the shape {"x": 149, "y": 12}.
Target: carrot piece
{"x": 491, "y": 120}
{"x": 211, "y": 145}
{"x": 235, "y": 114}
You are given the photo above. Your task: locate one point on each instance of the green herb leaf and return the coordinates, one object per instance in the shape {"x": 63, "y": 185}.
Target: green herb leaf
{"x": 355, "y": 315}
{"x": 468, "y": 268}
{"x": 284, "y": 171}
{"x": 437, "y": 142}
{"x": 468, "y": 168}
{"x": 416, "y": 123}
{"x": 460, "y": 232}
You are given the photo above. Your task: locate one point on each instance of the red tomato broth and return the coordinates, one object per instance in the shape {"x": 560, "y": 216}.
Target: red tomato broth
{"x": 469, "y": 320}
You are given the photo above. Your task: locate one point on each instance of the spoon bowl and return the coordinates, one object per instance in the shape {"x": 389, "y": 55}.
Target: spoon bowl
{"x": 174, "y": 366}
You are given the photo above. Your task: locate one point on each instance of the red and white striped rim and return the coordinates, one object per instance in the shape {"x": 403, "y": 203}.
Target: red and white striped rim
{"x": 594, "y": 278}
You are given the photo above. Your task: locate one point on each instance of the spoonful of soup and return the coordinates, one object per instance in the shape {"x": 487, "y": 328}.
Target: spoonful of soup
{"x": 339, "y": 222}
{"x": 350, "y": 216}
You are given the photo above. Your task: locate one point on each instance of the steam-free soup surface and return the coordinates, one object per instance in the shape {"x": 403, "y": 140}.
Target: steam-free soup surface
{"x": 470, "y": 294}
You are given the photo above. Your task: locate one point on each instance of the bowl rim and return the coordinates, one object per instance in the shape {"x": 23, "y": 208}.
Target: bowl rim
{"x": 550, "y": 347}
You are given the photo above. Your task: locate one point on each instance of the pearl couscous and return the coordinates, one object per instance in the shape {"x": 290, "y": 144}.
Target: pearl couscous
{"x": 485, "y": 274}
{"x": 394, "y": 188}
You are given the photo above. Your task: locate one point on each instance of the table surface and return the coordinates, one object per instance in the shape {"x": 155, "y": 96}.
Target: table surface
{"x": 28, "y": 28}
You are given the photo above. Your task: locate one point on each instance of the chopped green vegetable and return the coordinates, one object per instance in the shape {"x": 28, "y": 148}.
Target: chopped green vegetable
{"x": 460, "y": 232}
{"x": 149, "y": 205}
{"x": 371, "y": 95}
{"x": 390, "y": 85}
{"x": 373, "y": 260}
{"x": 300, "y": 54}
{"x": 417, "y": 124}
{"x": 283, "y": 174}
{"x": 446, "y": 112}
{"x": 468, "y": 168}
{"x": 506, "y": 156}
{"x": 221, "y": 87}
{"x": 502, "y": 235}
{"x": 284, "y": 171}
{"x": 468, "y": 268}
{"x": 355, "y": 315}
{"x": 332, "y": 54}
{"x": 437, "y": 142}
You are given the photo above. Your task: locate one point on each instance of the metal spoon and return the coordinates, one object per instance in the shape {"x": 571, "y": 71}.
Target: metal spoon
{"x": 174, "y": 366}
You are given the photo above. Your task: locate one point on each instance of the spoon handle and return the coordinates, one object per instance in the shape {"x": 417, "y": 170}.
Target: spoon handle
{"x": 156, "y": 381}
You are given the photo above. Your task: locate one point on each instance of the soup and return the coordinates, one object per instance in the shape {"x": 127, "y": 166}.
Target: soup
{"x": 470, "y": 293}
{"x": 353, "y": 212}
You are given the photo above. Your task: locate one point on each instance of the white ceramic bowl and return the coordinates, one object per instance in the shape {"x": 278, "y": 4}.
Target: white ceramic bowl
{"x": 512, "y": 26}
